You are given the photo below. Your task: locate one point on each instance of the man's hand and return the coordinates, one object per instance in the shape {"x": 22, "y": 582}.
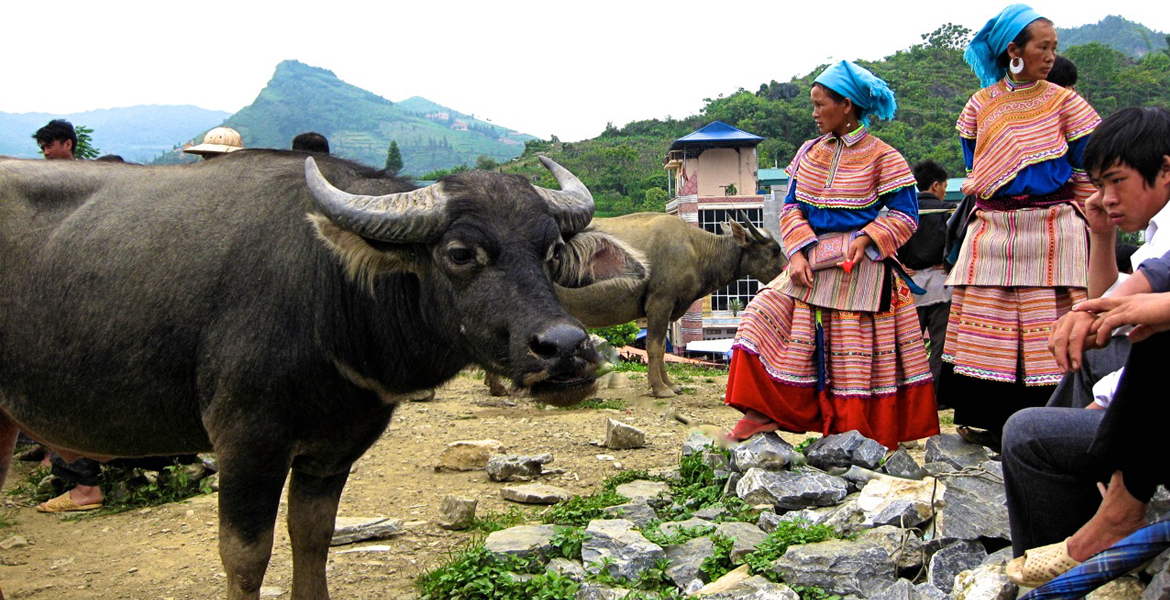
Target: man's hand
{"x": 799, "y": 270}
{"x": 1150, "y": 313}
{"x": 1097, "y": 216}
{"x": 1071, "y": 335}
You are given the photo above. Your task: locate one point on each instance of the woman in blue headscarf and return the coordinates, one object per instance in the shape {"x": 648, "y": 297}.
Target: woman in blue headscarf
{"x": 1024, "y": 260}
{"x": 833, "y": 344}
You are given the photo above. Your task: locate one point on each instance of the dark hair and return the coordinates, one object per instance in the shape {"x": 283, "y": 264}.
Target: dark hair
{"x": 858, "y": 112}
{"x": 311, "y": 141}
{"x": 110, "y": 158}
{"x": 1138, "y": 137}
{"x": 57, "y": 129}
{"x": 928, "y": 173}
{"x": 1123, "y": 252}
{"x": 1063, "y": 73}
{"x": 1021, "y": 40}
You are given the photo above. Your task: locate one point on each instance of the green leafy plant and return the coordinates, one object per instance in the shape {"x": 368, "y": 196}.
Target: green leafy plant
{"x": 567, "y": 542}
{"x": 787, "y": 533}
{"x": 676, "y": 535}
{"x": 618, "y": 335}
{"x": 579, "y": 511}
{"x": 812, "y": 592}
{"x": 38, "y": 486}
{"x": 497, "y": 521}
{"x": 597, "y": 404}
{"x": 474, "y": 573}
{"x": 127, "y": 489}
{"x": 719, "y": 563}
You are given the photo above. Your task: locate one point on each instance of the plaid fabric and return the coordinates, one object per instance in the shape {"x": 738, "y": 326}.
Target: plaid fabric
{"x": 1107, "y": 565}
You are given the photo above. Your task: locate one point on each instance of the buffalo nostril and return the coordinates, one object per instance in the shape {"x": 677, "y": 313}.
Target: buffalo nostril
{"x": 557, "y": 340}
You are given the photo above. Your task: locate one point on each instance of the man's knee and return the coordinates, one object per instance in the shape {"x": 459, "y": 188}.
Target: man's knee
{"x": 1022, "y": 427}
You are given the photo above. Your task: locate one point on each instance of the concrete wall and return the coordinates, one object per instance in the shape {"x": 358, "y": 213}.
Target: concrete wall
{"x": 719, "y": 167}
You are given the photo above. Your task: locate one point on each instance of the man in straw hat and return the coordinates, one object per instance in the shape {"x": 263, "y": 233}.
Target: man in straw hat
{"x": 220, "y": 140}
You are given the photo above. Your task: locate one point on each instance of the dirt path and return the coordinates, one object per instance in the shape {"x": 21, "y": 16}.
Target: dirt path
{"x": 169, "y": 552}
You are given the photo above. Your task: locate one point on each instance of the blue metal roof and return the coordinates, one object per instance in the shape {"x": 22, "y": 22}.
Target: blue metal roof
{"x": 718, "y": 133}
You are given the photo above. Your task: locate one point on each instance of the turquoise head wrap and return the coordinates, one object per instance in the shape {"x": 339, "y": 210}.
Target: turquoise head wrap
{"x": 993, "y": 40}
{"x": 862, "y": 87}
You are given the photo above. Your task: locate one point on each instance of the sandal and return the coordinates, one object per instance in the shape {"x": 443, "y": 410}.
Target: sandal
{"x": 64, "y": 503}
{"x": 979, "y": 437}
{"x": 1040, "y": 565}
{"x": 746, "y": 428}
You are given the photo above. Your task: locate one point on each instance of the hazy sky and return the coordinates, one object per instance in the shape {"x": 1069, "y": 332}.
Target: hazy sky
{"x": 550, "y": 67}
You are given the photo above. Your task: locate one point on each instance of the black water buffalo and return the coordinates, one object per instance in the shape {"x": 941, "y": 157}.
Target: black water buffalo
{"x": 246, "y": 306}
{"x": 680, "y": 263}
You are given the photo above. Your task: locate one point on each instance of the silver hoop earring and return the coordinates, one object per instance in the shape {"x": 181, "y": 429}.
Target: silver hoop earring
{"x": 1016, "y": 66}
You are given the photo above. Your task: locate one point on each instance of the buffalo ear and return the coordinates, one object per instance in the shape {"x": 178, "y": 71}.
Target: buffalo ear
{"x": 363, "y": 261}
{"x": 737, "y": 231}
{"x": 592, "y": 256}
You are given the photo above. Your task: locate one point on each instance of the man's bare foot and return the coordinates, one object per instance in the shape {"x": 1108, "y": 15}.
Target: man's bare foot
{"x": 86, "y": 494}
{"x": 1119, "y": 515}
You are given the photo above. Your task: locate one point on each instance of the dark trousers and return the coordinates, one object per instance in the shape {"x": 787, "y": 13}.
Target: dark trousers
{"x": 1076, "y": 389}
{"x": 86, "y": 471}
{"x": 1053, "y": 457}
{"x": 933, "y": 319}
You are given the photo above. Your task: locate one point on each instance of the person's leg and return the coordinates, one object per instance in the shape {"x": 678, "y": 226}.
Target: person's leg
{"x": 85, "y": 474}
{"x": 1049, "y": 475}
{"x": 1076, "y": 389}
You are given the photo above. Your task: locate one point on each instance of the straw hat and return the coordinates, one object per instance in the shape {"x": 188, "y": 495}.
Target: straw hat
{"x": 218, "y": 141}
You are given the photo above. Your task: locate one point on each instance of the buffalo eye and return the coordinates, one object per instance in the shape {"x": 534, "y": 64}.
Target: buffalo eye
{"x": 460, "y": 255}
{"x": 556, "y": 254}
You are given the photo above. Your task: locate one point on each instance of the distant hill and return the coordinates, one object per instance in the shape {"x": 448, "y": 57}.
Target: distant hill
{"x": 137, "y": 133}
{"x": 360, "y": 124}
{"x": 1123, "y": 35}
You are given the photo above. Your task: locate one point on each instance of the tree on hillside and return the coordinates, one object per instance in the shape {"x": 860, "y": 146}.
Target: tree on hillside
{"x": 485, "y": 163}
{"x": 394, "y": 157}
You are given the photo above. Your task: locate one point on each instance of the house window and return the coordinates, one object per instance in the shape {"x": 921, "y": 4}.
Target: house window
{"x": 743, "y": 290}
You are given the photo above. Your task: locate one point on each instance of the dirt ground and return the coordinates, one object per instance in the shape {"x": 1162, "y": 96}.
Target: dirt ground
{"x": 170, "y": 552}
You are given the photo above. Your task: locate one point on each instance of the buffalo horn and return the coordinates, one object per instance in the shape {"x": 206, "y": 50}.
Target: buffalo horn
{"x": 402, "y": 218}
{"x": 760, "y": 236}
{"x": 573, "y": 204}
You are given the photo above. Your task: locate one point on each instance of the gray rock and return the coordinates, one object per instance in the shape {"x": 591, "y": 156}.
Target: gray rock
{"x": 901, "y": 589}
{"x": 347, "y": 530}
{"x": 14, "y": 542}
{"x": 565, "y": 567}
{"x": 746, "y": 536}
{"x": 1159, "y": 563}
{"x": 952, "y": 449}
{"x": 535, "y": 493}
{"x": 515, "y": 467}
{"x": 900, "y": 502}
{"x": 638, "y": 512}
{"x": 525, "y": 541}
{"x": 768, "y": 451}
{"x": 845, "y": 449}
{"x": 469, "y": 455}
{"x": 1159, "y": 505}
{"x": 1159, "y": 587}
{"x": 934, "y": 469}
{"x": 696, "y": 442}
{"x": 271, "y": 591}
{"x": 754, "y": 588}
{"x": 926, "y": 591}
{"x": 838, "y": 566}
{"x": 1000, "y": 557}
{"x": 630, "y": 554}
{"x": 711, "y": 512}
{"x": 621, "y": 436}
{"x": 673, "y": 527}
{"x": 846, "y": 518}
{"x": 685, "y": 560}
{"x": 903, "y": 545}
{"x": 791, "y": 490}
{"x": 902, "y": 464}
{"x": 641, "y": 490}
{"x": 811, "y": 516}
{"x": 974, "y": 505}
{"x": 1122, "y": 588}
{"x": 732, "y": 481}
{"x": 458, "y": 512}
{"x": 987, "y": 582}
{"x": 952, "y": 560}
{"x": 596, "y": 591}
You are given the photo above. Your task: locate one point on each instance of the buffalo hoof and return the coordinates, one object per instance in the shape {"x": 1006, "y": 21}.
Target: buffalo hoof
{"x": 665, "y": 393}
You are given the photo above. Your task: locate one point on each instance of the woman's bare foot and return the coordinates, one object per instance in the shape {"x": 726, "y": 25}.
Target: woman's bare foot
{"x": 1119, "y": 515}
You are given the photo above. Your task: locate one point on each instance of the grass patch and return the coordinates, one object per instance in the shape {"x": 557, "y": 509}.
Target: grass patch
{"x": 580, "y": 510}
{"x": 787, "y": 533}
{"x": 597, "y": 404}
{"x": 474, "y": 573}
{"x": 946, "y": 418}
{"x": 678, "y": 371}
{"x": 124, "y": 488}
{"x": 497, "y": 521}
{"x": 7, "y": 518}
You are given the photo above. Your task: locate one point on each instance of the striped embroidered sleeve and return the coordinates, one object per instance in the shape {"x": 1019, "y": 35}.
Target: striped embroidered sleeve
{"x": 1078, "y": 117}
{"x": 968, "y": 124}
{"x": 889, "y": 232}
{"x": 795, "y": 232}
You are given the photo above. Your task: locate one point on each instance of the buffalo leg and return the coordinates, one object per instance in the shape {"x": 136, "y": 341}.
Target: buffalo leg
{"x": 250, "y": 481}
{"x": 312, "y": 510}
{"x": 8, "y": 433}
{"x": 495, "y": 385}
{"x": 660, "y": 384}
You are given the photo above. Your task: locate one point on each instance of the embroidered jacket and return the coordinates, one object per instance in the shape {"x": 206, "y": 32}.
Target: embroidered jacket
{"x": 1025, "y": 139}
{"x": 841, "y": 184}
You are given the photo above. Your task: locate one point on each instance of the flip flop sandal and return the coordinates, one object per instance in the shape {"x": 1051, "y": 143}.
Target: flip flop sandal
{"x": 746, "y": 428}
{"x": 979, "y": 437}
{"x": 1040, "y": 565}
{"x": 64, "y": 503}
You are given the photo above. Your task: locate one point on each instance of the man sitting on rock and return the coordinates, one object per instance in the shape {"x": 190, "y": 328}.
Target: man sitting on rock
{"x": 1054, "y": 458}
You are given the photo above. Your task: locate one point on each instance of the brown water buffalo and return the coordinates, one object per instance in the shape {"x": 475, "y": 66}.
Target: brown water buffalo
{"x": 682, "y": 264}
{"x": 248, "y": 307}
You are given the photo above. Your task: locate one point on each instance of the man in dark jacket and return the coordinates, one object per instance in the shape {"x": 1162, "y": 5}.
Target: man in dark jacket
{"x": 923, "y": 255}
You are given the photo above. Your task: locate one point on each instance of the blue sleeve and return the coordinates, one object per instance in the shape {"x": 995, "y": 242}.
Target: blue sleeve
{"x": 903, "y": 200}
{"x": 968, "y": 153}
{"x": 1157, "y": 272}
{"x": 790, "y": 197}
{"x": 1076, "y": 152}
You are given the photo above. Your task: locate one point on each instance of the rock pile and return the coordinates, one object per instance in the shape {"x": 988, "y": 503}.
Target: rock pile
{"x": 912, "y": 532}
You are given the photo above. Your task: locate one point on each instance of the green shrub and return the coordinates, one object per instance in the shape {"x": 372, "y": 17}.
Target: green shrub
{"x": 618, "y": 335}
{"x": 474, "y": 573}
{"x": 787, "y": 533}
